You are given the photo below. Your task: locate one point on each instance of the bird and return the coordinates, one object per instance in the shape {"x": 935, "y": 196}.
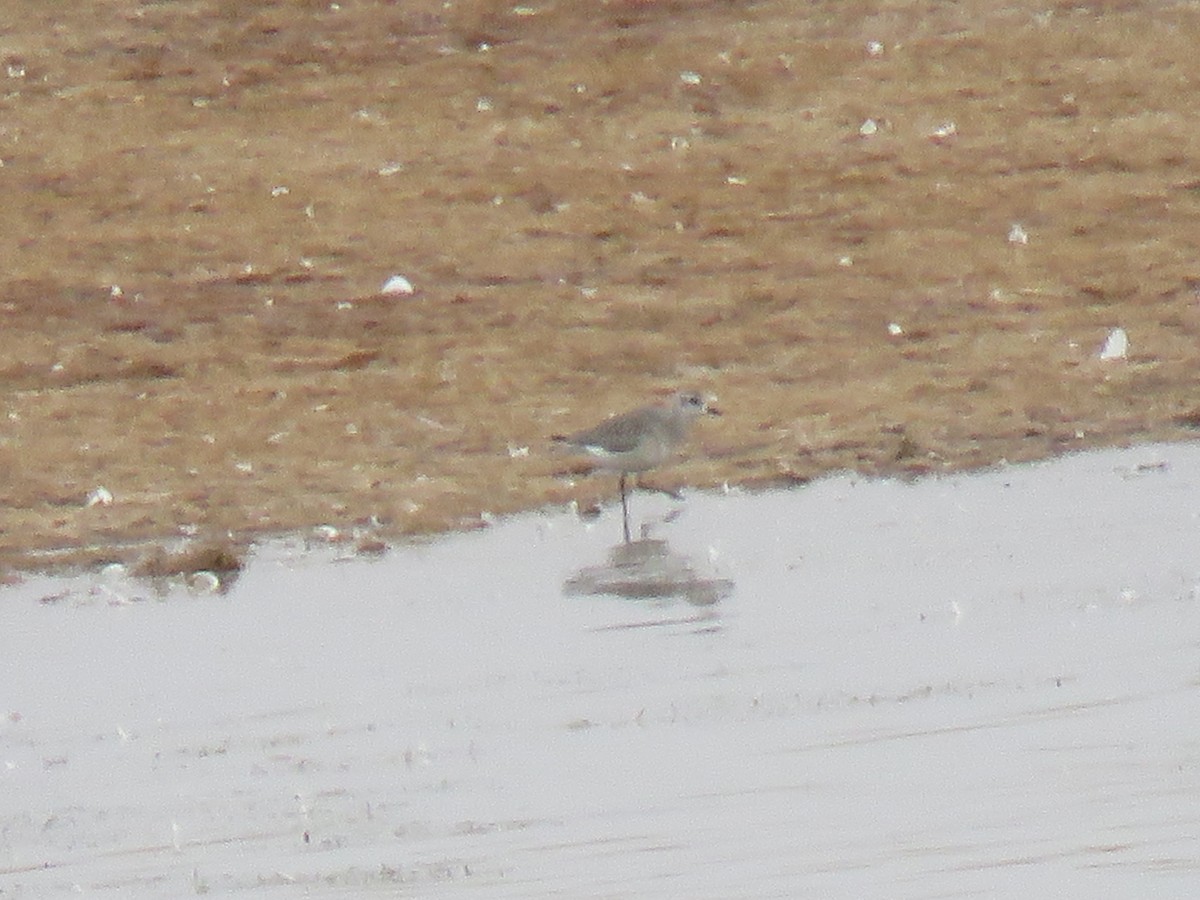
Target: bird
{"x": 641, "y": 439}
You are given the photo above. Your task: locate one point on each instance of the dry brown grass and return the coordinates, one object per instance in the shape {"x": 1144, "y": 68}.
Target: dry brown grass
{"x": 586, "y": 224}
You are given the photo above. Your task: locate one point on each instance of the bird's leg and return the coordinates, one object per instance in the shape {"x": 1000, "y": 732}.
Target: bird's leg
{"x": 624, "y": 509}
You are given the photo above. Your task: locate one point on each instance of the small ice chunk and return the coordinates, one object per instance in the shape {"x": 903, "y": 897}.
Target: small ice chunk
{"x": 399, "y": 285}
{"x": 1116, "y": 346}
{"x": 868, "y": 128}
{"x": 101, "y": 496}
{"x": 204, "y": 582}
{"x": 328, "y": 533}
{"x": 894, "y": 329}
{"x": 1017, "y": 234}
{"x": 943, "y": 131}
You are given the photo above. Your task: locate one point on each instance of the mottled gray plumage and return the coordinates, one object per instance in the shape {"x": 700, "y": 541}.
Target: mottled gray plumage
{"x": 641, "y": 439}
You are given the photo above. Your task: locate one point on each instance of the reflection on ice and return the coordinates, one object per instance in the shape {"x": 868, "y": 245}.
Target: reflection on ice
{"x": 647, "y": 569}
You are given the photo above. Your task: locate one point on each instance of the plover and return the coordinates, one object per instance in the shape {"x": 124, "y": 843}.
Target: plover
{"x": 640, "y": 439}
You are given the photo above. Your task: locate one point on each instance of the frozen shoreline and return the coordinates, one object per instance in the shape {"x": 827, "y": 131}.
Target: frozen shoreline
{"x": 977, "y": 683}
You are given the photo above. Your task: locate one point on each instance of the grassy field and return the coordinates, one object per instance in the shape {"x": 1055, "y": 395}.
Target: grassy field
{"x": 889, "y": 236}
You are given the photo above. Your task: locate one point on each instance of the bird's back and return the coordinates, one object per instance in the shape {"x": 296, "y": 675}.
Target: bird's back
{"x": 620, "y": 434}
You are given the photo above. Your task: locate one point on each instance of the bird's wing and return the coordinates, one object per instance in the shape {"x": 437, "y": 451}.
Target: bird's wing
{"x": 620, "y": 434}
